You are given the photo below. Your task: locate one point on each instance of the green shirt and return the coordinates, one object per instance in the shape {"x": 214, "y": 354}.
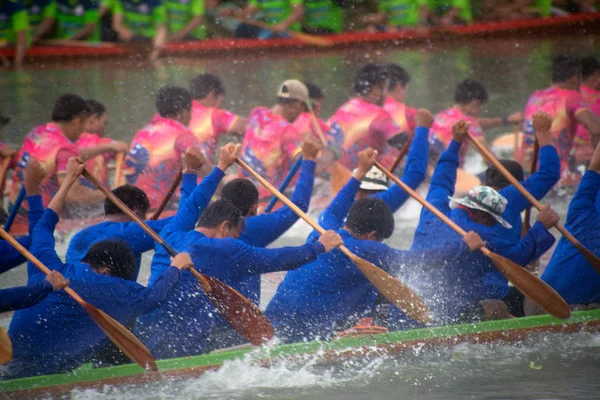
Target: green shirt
{"x": 13, "y": 19}
{"x": 441, "y": 7}
{"x": 73, "y": 16}
{"x": 38, "y": 10}
{"x": 402, "y": 12}
{"x": 141, "y": 17}
{"x": 544, "y": 7}
{"x": 323, "y": 14}
{"x": 276, "y": 11}
{"x": 181, "y": 12}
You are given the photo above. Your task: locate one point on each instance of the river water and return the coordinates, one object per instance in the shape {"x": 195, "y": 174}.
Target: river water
{"x": 546, "y": 367}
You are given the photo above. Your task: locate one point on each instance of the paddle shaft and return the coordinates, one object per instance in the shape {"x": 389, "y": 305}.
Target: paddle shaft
{"x": 119, "y": 169}
{"x": 4, "y": 174}
{"x": 403, "y": 152}
{"x": 532, "y": 169}
{"x": 15, "y": 209}
{"x": 285, "y": 183}
{"x": 168, "y": 196}
{"x": 525, "y": 193}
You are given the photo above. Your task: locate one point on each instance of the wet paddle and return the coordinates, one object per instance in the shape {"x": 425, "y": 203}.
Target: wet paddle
{"x": 168, "y": 196}
{"x": 285, "y": 183}
{"x": 239, "y": 312}
{"x": 6, "y": 350}
{"x": 529, "y": 284}
{"x": 117, "y": 333}
{"x": 15, "y": 209}
{"x": 532, "y": 169}
{"x": 119, "y": 169}
{"x": 395, "y": 291}
{"x": 589, "y": 256}
{"x": 305, "y": 37}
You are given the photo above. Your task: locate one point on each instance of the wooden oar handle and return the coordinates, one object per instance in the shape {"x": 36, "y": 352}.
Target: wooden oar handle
{"x": 403, "y": 152}
{"x": 168, "y": 196}
{"x": 35, "y": 261}
{"x": 119, "y": 168}
{"x": 280, "y": 196}
{"x": 315, "y": 123}
{"x": 421, "y": 200}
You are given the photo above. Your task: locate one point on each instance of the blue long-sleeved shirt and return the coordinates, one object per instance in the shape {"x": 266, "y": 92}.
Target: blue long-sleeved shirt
{"x": 24, "y": 296}
{"x": 58, "y": 335}
{"x": 130, "y": 232}
{"x": 472, "y": 277}
{"x": 538, "y": 184}
{"x": 414, "y": 171}
{"x": 568, "y": 272}
{"x": 319, "y": 298}
{"x": 9, "y": 256}
{"x": 182, "y": 326}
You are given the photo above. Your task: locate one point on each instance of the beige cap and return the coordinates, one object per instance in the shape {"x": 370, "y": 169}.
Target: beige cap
{"x": 294, "y": 89}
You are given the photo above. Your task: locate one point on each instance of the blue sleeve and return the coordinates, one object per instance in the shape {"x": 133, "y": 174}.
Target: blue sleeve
{"x": 9, "y": 256}
{"x": 539, "y": 183}
{"x": 264, "y": 229}
{"x": 335, "y": 214}
{"x": 152, "y": 297}
{"x": 188, "y": 184}
{"x": 36, "y": 209}
{"x": 241, "y": 260}
{"x": 42, "y": 246}
{"x": 585, "y": 197}
{"x": 531, "y": 247}
{"x": 414, "y": 171}
{"x": 24, "y": 296}
{"x": 189, "y": 212}
{"x": 444, "y": 178}
{"x": 434, "y": 256}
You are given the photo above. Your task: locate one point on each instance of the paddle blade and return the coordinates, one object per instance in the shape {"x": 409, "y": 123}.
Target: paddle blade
{"x": 400, "y": 295}
{"x": 122, "y": 338}
{"x": 6, "y": 350}
{"x": 239, "y": 312}
{"x": 531, "y": 286}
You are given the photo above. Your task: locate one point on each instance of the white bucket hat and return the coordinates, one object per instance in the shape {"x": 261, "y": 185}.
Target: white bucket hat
{"x": 374, "y": 180}
{"x": 484, "y": 198}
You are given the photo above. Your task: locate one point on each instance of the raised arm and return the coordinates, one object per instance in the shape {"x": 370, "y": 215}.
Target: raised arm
{"x": 416, "y": 164}
{"x": 587, "y": 192}
{"x": 28, "y": 296}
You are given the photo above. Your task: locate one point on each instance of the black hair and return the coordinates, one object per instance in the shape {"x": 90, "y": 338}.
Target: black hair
{"x": 589, "y": 66}
{"x": 367, "y": 77}
{"x": 564, "y": 68}
{"x": 218, "y": 212}
{"x": 202, "y": 85}
{"x": 314, "y": 92}
{"x": 368, "y": 215}
{"x": 114, "y": 255}
{"x": 285, "y": 101}
{"x": 68, "y": 107}
{"x": 96, "y": 108}
{"x": 397, "y": 75}
{"x": 172, "y": 100}
{"x": 242, "y": 193}
{"x": 494, "y": 178}
{"x": 132, "y": 196}
{"x": 469, "y": 90}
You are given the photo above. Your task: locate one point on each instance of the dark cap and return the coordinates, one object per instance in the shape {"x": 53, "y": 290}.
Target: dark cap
{"x": 4, "y": 120}
{"x": 494, "y": 178}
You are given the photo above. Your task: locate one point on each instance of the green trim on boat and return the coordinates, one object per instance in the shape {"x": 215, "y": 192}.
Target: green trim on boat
{"x": 86, "y": 373}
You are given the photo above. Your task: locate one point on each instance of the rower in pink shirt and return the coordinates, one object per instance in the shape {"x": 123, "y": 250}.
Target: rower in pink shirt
{"x": 590, "y": 92}
{"x": 154, "y": 158}
{"x": 209, "y": 122}
{"x": 304, "y": 123}
{"x": 96, "y": 149}
{"x": 362, "y": 122}
{"x": 271, "y": 139}
{"x": 563, "y": 102}
{"x": 52, "y": 144}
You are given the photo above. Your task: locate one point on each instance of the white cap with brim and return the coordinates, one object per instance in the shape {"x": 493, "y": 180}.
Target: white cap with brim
{"x": 294, "y": 89}
{"x": 486, "y": 199}
{"x": 374, "y": 180}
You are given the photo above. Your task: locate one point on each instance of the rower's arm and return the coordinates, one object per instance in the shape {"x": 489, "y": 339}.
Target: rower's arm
{"x": 9, "y": 256}
{"x": 21, "y": 48}
{"x": 143, "y": 300}
{"x": 81, "y": 195}
{"x": 591, "y": 122}
{"x": 262, "y": 230}
{"x": 42, "y": 246}
{"x": 238, "y": 127}
{"x": 24, "y": 296}
{"x": 296, "y": 16}
{"x": 444, "y": 178}
{"x": 46, "y": 24}
{"x": 531, "y": 247}
{"x": 414, "y": 171}
{"x": 92, "y": 18}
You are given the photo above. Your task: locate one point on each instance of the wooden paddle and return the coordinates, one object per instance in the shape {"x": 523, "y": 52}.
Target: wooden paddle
{"x": 168, "y": 196}
{"x": 239, "y": 312}
{"x": 397, "y": 293}
{"x": 117, "y": 333}
{"x": 15, "y": 209}
{"x": 285, "y": 183}
{"x": 534, "y": 161}
{"x": 6, "y": 350}
{"x": 589, "y": 256}
{"x": 529, "y": 284}
{"x": 3, "y": 175}
{"x": 119, "y": 169}
{"x": 305, "y": 37}
{"x": 403, "y": 152}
